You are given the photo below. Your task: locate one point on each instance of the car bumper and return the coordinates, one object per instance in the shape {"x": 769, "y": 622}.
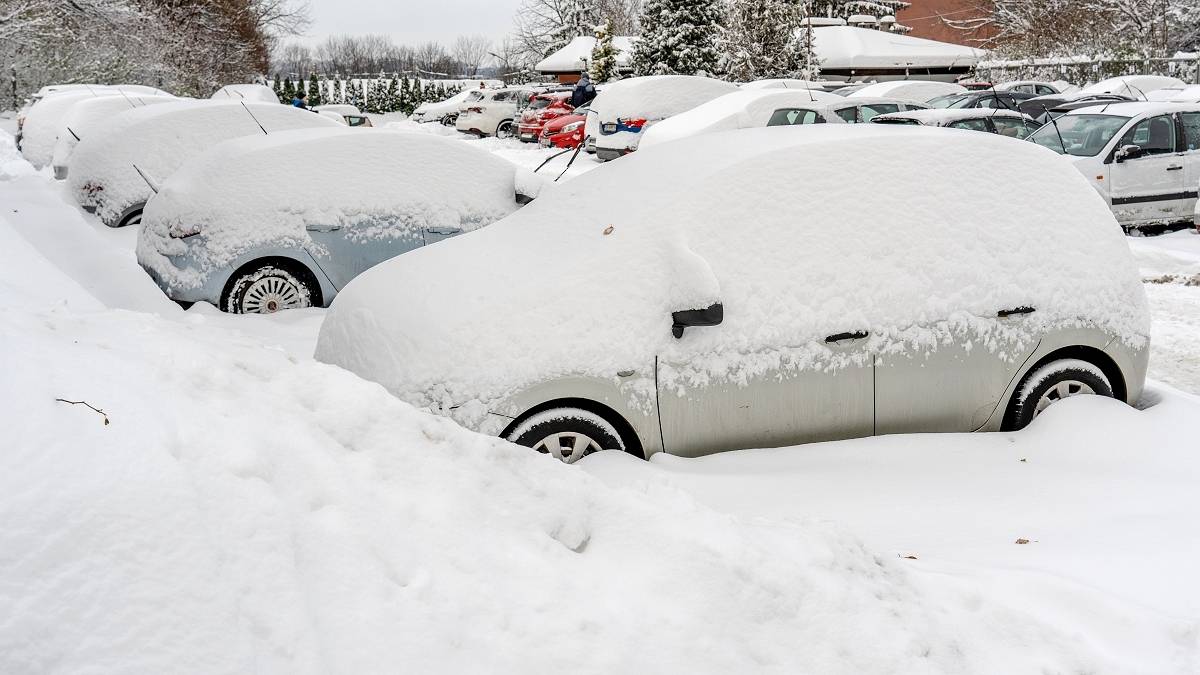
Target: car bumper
{"x": 529, "y": 133}
{"x": 566, "y": 141}
{"x": 209, "y": 290}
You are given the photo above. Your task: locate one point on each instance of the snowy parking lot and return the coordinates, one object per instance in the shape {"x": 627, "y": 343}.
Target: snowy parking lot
{"x": 191, "y": 487}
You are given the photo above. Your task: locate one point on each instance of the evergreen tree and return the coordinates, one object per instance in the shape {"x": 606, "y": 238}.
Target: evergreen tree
{"x": 289, "y": 90}
{"x": 338, "y": 94}
{"x": 404, "y": 96}
{"x": 277, "y": 87}
{"x": 764, "y": 38}
{"x": 314, "y": 91}
{"x": 354, "y": 93}
{"x": 603, "y": 65}
{"x": 393, "y": 95}
{"x": 679, "y": 37}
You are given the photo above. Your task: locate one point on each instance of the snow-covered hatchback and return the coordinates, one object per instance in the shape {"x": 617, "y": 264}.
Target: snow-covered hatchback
{"x": 266, "y": 223}
{"x": 761, "y": 298}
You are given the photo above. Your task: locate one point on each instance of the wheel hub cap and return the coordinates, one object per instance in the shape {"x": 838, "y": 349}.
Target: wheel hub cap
{"x": 568, "y": 447}
{"x": 271, "y": 294}
{"x": 1064, "y": 389}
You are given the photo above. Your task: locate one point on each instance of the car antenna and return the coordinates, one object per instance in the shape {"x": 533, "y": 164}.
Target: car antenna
{"x": 1055, "y": 123}
{"x": 73, "y": 134}
{"x": 151, "y": 183}
{"x": 808, "y": 89}
{"x": 260, "y": 126}
{"x": 1139, "y": 91}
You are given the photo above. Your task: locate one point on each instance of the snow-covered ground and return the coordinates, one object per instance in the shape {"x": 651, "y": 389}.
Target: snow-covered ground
{"x": 245, "y": 509}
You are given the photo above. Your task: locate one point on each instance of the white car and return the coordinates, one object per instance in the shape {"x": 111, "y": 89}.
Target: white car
{"x": 42, "y": 123}
{"x": 1142, "y": 157}
{"x": 1134, "y": 86}
{"x": 87, "y": 115}
{"x": 626, "y": 108}
{"x": 912, "y": 90}
{"x": 250, "y": 93}
{"x": 739, "y": 110}
{"x": 762, "y": 297}
{"x": 348, "y": 114}
{"x": 494, "y": 112}
{"x": 113, "y": 168}
{"x": 784, "y": 83}
{"x": 445, "y": 112}
{"x": 1036, "y": 87}
{"x": 1008, "y": 123}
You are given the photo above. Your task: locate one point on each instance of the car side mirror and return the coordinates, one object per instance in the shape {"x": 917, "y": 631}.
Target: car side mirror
{"x": 712, "y": 315}
{"x": 1128, "y": 152}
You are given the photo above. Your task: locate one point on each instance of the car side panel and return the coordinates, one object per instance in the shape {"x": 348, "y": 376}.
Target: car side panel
{"x": 214, "y": 283}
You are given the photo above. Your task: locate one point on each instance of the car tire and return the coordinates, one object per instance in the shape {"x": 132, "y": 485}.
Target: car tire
{"x": 1051, "y": 383}
{"x": 505, "y": 129}
{"x": 449, "y": 120}
{"x": 267, "y": 289}
{"x": 567, "y": 434}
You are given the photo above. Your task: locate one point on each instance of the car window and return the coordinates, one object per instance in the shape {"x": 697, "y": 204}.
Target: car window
{"x": 1079, "y": 135}
{"x": 973, "y": 125}
{"x": 789, "y": 116}
{"x": 871, "y": 110}
{"x": 849, "y": 114}
{"x": 989, "y": 102}
{"x": 948, "y": 100}
{"x": 1027, "y": 88}
{"x": 1191, "y": 130}
{"x": 1043, "y": 90}
{"x": 1155, "y": 135}
{"x": 1011, "y": 127}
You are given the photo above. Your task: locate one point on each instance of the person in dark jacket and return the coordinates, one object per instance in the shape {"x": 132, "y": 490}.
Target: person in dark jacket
{"x": 301, "y": 100}
{"x": 583, "y": 92}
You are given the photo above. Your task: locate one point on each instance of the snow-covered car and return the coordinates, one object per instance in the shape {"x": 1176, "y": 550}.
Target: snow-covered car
{"x": 998, "y": 100}
{"x": 784, "y": 83}
{"x": 111, "y": 170}
{"x": 1186, "y": 94}
{"x": 542, "y": 109}
{"x": 1134, "y": 86}
{"x": 912, "y": 90}
{"x": 494, "y": 113}
{"x": 626, "y": 108}
{"x": 1142, "y": 157}
{"x": 95, "y": 88}
{"x": 1042, "y": 108}
{"x": 1034, "y": 87}
{"x": 1004, "y": 122}
{"x": 250, "y": 93}
{"x": 87, "y": 115}
{"x": 349, "y": 114}
{"x": 446, "y": 111}
{"x": 43, "y": 122}
{"x": 266, "y": 223}
{"x": 565, "y": 131}
{"x": 738, "y": 110}
{"x": 725, "y": 303}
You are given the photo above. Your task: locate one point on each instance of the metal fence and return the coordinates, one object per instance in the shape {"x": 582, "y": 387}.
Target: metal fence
{"x": 1082, "y": 70}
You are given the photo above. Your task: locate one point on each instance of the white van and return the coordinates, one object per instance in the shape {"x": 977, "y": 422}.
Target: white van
{"x": 1142, "y": 157}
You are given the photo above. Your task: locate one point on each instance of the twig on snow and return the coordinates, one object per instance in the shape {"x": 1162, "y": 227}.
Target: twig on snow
{"x": 94, "y": 408}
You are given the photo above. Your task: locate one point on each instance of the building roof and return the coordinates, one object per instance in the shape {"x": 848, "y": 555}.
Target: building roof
{"x": 846, "y": 47}
{"x": 571, "y": 58}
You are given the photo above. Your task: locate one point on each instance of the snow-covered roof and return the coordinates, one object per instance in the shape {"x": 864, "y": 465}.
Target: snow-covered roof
{"x": 1136, "y": 86}
{"x": 571, "y": 58}
{"x": 913, "y": 90}
{"x": 755, "y": 219}
{"x": 737, "y": 110}
{"x": 258, "y": 190}
{"x": 848, "y": 47}
{"x": 940, "y": 117}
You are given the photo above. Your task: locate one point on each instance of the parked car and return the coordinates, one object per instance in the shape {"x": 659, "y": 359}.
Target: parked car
{"x": 1142, "y": 157}
{"x": 1042, "y": 108}
{"x": 841, "y": 110}
{"x": 1034, "y": 87}
{"x": 89, "y": 114}
{"x": 266, "y": 223}
{"x": 1004, "y": 122}
{"x": 626, "y": 108}
{"x": 113, "y": 168}
{"x": 565, "y": 131}
{"x": 350, "y": 114}
{"x": 494, "y": 113}
{"x": 740, "y": 110}
{"x": 445, "y": 112}
{"x": 1134, "y": 86}
{"x": 724, "y": 303}
{"x": 542, "y": 109}
{"x": 919, "y": 91}
{"x": 1005, "y": 100}
{"x": 1186, "y": 94}
{"x": 850, "y": 88}
{"x": 250, "y": 93}
{"x": 785, "y": 83}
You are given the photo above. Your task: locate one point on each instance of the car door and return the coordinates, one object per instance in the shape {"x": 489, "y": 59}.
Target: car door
{"x": 1189, "y": 129}
{"x": 774, "y": 409}
{"x": 953, "y": 385}
{"x": 345, "y": 251}
{"x": 1149, "y": 188}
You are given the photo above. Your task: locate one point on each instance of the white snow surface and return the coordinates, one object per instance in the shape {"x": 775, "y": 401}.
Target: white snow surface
{"x": 88, "y": 114}
{"x": 784, "y": 83}
{"x": 250, "y": 93}
{"x": 736, "y": 110}
{"x": 159, "y": 139}
{"x": 755, "y": 227}
{"x": 1137, "y": 86}
{"x": 845, "y": 47}
{"x": 912, "y": 90}
{"x": 260, "y": 190}
{"x": 656, "y": 96}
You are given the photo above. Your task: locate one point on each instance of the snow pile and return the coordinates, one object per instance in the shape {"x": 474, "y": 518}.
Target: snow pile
{"x": 88, "y": 114}
{"x": 250, "y": 93}
{"x": 737, "y": 110}
{"x": 775, "y": 225}
{"x": 261, "y": 190}
{"x": 159, "y": 139}
{"x": 912, "y": 90}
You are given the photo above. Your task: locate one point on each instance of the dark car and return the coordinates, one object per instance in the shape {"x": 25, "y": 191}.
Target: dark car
{"x": 1000, "y": 100}
{"x": 1041, "y": 108}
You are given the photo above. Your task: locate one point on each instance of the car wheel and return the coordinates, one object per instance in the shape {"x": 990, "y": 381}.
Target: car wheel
{"x": 1052, "y": 383}
{"x": 505, "y": 130}
{"x": 567, "y": 434}
{"x": 268, "y": 289}
{"x": 449, "y": 120}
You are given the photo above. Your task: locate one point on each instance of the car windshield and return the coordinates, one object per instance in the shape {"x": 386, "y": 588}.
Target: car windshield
{"x": 474, "y": 96}
{"x": 948, "y": 101}
{"x": 539, "y": 103}
{"x": 1079, "y": 135}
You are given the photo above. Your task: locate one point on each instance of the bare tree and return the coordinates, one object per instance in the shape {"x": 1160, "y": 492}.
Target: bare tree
{"x": 471, "y": 51}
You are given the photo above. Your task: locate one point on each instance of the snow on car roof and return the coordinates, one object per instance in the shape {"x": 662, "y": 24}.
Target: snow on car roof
{"x": 658, "y": 96}
{"x": 846, "y": 47}
{"x": 784, "y": 83}
{"x": 257, "y": 190}
{"x": 250, "y": 93}
{"x": 1132, "y": 85}
{"x": 44, "y": 122}
{"x": 915, "y": 90}
{"x": 775, "y": 224}
{"x": 1132, "y": 108}
{"x": 736, "y": 110}
{"x": 89, "y": 113}
{"x": 158, "y": 139}
{"x": 944, "y": 116}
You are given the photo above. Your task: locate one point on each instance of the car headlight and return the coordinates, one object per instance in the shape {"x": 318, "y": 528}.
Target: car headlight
{"x": 183, "y": 231}
{"x": 573, "y": 126}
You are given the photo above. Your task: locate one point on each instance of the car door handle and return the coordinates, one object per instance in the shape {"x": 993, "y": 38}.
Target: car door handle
{"x": 323, "y": 228}
{"x": 1016, "y": 310}
{"x": 444, "y": 230}
{"x": 852, "y": 335}
{"x": 1175, "y": 167}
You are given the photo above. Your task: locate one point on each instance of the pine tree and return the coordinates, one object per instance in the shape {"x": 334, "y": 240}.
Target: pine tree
{"x": 354, "y": 93}
{"x": 579, "y": 17}
{"x": 764, "y": 38}
{"x": 603, "y": 65}
{"x": 289, "y": 90}
{"x": 393, "y": 95}
{"x": 277, "y": 87}
{"x": 314, "y": 91}
{"x": 679, "y": 37}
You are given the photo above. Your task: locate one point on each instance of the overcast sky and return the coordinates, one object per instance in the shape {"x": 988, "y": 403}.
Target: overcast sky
{"x": 412, "y": 21}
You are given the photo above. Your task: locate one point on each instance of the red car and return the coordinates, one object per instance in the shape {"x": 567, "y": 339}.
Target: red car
{"x": 542, "y": 108}
{"x": 565, "y": 131}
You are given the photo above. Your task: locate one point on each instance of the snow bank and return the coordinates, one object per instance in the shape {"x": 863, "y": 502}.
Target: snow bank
{"x": 912, "y": 90}
{"x": 159, "y": 139}
{"x": 737, "y": 110}
{"x": 250, "y": 93}
{"x": 775, "y": 224}
{"x": 258, "y": 190}
{"x": 90, "y": 113}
